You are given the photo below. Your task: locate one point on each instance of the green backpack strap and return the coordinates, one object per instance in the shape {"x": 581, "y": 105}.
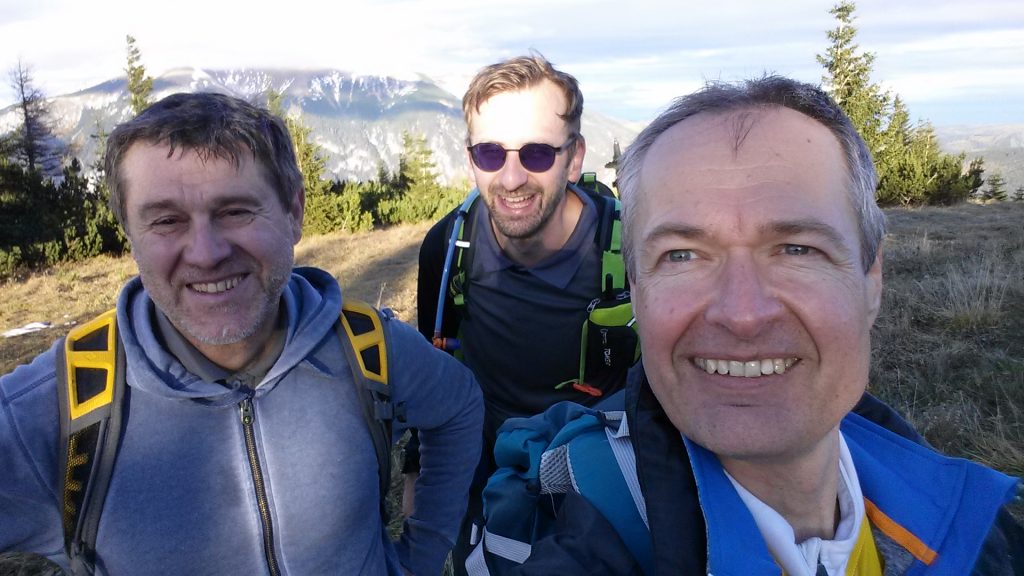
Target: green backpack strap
{"x": 615, "y": 343}
{"x": 361, "y": 331}
{"x": 91, "y": 388}
{"x": 613, "y": 269}
{"x": 588, "y": 182}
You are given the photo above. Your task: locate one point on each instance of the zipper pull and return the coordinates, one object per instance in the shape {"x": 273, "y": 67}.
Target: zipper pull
{"x": 246, "y": 411}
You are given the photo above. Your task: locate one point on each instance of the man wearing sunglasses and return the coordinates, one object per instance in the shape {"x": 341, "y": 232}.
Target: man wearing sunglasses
{"x": 533, "y": 264}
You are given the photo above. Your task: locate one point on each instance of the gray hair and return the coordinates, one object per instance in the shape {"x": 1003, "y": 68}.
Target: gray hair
{"x": 766, "y": 92}
{"x": 214, "y": 125}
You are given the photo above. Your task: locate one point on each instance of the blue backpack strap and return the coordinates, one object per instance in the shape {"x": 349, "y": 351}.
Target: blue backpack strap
{"x": 567, "y": 448}
{"x": 458, "y": 242}
{"x": 590, "y": 459}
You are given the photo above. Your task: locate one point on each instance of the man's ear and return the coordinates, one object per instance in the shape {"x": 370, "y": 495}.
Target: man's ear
{"x": 576, "y": 164}
{"x": 874, "y": 287}
{"x": 297, "y": 212}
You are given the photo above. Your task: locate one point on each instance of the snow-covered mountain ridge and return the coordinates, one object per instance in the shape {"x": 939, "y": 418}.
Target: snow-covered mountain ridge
{"x": 358, "y": 120}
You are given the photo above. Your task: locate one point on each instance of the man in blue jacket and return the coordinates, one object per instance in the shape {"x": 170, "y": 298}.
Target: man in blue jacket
{"x": 753, "y": 244}
{"x": 244, "y": 449}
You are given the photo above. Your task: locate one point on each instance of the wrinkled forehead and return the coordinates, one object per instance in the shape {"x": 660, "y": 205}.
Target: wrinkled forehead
{"x": 751, "y": 164}
{"x": 737, "y": 149}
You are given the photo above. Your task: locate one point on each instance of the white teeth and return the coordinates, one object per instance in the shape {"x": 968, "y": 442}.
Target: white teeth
{"x": 747, "y": 369}
{"x": 218, "y": 287}
{"x": 736, "y": 368}
{"x": 752, "y": 369}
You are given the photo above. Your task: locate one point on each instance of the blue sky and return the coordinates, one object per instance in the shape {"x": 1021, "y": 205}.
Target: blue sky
{"x": 953, "y": 61}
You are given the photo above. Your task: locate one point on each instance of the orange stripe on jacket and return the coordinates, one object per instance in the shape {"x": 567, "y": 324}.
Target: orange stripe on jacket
{"x": 901, "y": 535}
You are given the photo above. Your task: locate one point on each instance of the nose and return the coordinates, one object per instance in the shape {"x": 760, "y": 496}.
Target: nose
{"x": 743, "y": 301}
{"x": 513, "y": 175}
{"x": 207, "y": 246}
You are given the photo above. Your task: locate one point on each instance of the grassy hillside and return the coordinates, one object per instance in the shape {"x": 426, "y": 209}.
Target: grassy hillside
{"x": 949, "y": 343}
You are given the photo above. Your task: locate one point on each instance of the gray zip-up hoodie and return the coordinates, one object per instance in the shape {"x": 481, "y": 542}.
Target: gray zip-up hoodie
{"x": 183, "y": 499}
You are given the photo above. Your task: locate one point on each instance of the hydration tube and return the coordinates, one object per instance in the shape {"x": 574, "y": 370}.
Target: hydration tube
{"x": 450, "y": 344}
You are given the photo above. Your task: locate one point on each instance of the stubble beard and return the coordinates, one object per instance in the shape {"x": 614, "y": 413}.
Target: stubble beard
{"x": 530, "y": 225}
{"x": 255, "y": 314}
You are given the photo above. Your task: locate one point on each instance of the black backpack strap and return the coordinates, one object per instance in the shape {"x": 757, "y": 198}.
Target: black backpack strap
{"x": 91, "y": 388}
{"x": 362, "y": 334}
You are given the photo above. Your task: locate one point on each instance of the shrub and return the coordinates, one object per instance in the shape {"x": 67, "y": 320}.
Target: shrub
{"x": 336, "y": 213}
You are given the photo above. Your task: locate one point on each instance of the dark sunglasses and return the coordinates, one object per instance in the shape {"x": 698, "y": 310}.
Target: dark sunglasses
{"x": 490, "y": 157}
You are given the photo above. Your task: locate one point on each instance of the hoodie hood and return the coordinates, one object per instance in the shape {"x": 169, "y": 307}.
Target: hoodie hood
{"x": 312, "y": 302}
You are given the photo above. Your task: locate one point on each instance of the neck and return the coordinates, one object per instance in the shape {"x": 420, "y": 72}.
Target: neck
{"x": 549, "y": 239}
{"x": 803, "y": 489}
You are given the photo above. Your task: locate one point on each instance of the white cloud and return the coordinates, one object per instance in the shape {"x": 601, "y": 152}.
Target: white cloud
{"x": 634, "y": 55}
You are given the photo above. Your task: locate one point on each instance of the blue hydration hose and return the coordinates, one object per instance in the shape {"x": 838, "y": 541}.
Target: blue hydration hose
{"x": 450, "y": 344}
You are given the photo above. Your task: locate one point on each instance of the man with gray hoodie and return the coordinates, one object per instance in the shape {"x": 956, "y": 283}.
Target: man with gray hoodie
{"x": 243, "y": 445}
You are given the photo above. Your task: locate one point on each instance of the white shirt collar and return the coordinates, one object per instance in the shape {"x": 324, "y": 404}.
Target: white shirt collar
{"x": 802, "y": 559}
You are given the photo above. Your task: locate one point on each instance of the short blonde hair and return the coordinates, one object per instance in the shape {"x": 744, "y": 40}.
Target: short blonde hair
{"x": 521, "y": 73}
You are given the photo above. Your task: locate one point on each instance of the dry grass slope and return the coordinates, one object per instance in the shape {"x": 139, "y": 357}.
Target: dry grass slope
{"x": 949, "y": 344}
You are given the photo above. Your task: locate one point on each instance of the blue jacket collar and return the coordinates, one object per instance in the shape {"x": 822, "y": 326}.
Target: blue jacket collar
{"x": 941, "y": 507}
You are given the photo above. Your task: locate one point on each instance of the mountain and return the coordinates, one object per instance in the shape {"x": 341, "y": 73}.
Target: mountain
{"x": 1001, "y": 145}
{"x": 358, "y": 120}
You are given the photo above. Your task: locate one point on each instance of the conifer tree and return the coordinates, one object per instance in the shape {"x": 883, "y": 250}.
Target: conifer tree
{"x": 33, "y": 142}
{"x": 417, "y": 170}
{"x": 911, "y": 168}
{"x": 420, "y": 196}
{"x": 975, "y": 176}
{"x": 847, "y": 77}
{"x": 308, "y": 153}
{"x": 113, "y": 238}
{"x": 327, "y": 210}
{"x": 996, "y": 188}
{"x": 139, "y": 85}
{"x": 1018, "y": 194}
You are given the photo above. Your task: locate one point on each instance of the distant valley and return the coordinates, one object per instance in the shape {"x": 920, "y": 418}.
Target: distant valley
{"x": 1002, "y": 146}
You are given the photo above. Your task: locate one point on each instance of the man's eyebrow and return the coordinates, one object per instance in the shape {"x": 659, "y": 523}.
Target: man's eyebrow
{"x": 805, "y": 226}
{"x": 675, "y": 230}
{"x": 157, "y": 206}
{"x": 777, "y": 228}
{"x": 219, "y": 202}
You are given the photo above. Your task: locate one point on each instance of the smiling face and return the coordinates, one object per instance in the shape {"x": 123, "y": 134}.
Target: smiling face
{"x": 753, "y": 307}
{"x": 522, "y": 203}
{"x": 213, "y": 244}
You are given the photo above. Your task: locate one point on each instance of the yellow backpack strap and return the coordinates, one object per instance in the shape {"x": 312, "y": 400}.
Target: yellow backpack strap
{"x": 363, "y": 326}
{"x": 90, "y": 387}
{"x": 363, "y": 338}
